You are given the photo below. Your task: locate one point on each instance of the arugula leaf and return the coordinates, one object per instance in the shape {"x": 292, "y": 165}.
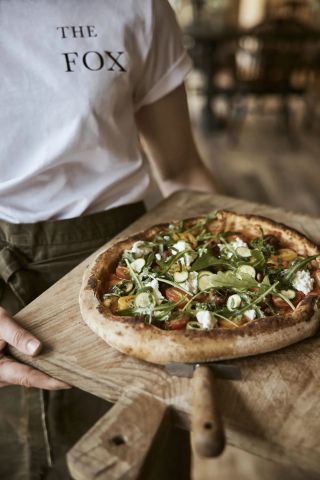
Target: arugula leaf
{"x": 149, "y": 260}
{"x": 257, "y": 258}
{"x": 296, "y": 265}
{"x": 134, "y": 275}
{"x": 229, "y": 280}
{"x": 172, "y": 259}
{"x": 119, "y": 289}
{"x": 208, "y": 260}
{"x": 285, "y": 299}
{"x": 257, "y": 300}
{"x": 263, "y": 245}
{"x": 173, "y": 284}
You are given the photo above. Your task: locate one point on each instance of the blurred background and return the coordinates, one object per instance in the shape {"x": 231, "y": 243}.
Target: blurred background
{"x": 254, "y": 96}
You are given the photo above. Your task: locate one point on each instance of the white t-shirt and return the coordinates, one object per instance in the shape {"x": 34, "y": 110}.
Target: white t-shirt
{"x": 73, "y": 73}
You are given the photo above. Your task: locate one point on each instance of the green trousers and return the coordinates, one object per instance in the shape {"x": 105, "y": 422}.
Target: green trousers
{"x": 37, "y": 428}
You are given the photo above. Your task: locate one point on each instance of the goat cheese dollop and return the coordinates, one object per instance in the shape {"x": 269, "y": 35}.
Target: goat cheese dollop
{"x": 191, "y": 284}
{"x": 188, "y": 258}
{"x": 181, "y": 245}
{"x": 140, "y": 249}
{"x": 250, "y": 314}
{"x": 236, "y": 243}
{"x": 303, "y": 282}
{"x": 206, "y": 319}
{"x": 154, "y": 284}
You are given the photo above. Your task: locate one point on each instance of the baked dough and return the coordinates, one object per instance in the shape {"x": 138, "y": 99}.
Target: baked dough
{"x": 135, "y": 337}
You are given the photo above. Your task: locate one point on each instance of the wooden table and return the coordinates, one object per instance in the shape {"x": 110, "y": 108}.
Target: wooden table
{"x": 272, "y": 412}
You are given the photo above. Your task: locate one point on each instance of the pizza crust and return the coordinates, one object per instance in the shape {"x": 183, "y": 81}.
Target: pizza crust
{"x": 134, "y": 337}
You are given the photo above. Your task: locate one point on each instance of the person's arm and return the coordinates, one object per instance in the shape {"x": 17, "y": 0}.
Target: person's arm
{"x": 15, "y": 373}
{"x": 166, "y": 135}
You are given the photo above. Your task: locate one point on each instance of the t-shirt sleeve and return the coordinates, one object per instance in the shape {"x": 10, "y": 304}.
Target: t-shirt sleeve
{"x": 167, "y": 62}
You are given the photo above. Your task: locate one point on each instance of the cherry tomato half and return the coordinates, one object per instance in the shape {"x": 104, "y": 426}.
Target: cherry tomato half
{"x": 122, "y": 272}
{"x": 175, "y": 295}
{"x": 113, "y": 280}
{"x": 279, "y": 303}
{"x": 178, "y": 323}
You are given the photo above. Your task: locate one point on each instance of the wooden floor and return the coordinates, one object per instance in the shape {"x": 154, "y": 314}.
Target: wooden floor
{"x": 266, "y": 166}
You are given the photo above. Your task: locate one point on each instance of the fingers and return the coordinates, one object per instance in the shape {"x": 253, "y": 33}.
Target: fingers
{"x": 17, "y": 336}
{"x": 15, "y": 373}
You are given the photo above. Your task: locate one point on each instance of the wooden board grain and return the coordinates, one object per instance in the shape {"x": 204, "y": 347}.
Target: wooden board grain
{"x": 118, "y": 444}
{"x": 272, "y": 412}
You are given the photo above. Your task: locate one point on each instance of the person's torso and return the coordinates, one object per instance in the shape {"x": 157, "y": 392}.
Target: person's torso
{"x": 69, "y": 143}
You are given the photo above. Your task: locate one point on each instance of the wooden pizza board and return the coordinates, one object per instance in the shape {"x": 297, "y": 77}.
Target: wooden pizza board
{"x": 272, "y": 412}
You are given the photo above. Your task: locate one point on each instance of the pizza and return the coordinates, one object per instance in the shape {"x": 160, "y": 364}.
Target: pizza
{"x": 208, "y": 288}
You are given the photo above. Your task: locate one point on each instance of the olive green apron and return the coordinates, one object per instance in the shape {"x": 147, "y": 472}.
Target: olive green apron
{"x": 38, "y": 428}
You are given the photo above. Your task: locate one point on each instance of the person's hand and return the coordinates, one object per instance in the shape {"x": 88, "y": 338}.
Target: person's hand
{"x": 15, "y": 373}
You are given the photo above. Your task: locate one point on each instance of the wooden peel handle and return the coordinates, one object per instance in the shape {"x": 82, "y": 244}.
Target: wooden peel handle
{"x": 117, "y": 445}
{"x": 207, "y": 427}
